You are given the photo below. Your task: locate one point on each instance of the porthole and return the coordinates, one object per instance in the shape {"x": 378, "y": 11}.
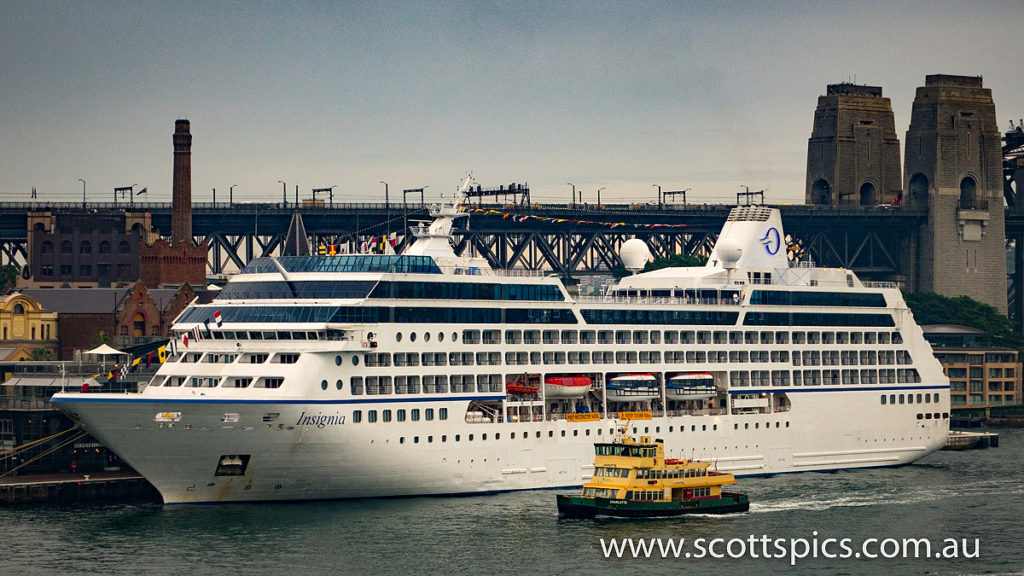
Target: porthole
{"x": 355, "y": 360}
{"x": 337, "y": 360}
{"x": 323, "y": 385}
{"x": 412, "y": 337}
{"x": 455, "y": 336}
{"x": 426, "y": 336}
{"x": 398, "y": 337}
{"x": 338, "y": 384}
{"x": 440, "y": 336}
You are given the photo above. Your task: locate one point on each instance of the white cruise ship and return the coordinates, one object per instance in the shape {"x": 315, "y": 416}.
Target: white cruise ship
{"x": 427, "y": 373}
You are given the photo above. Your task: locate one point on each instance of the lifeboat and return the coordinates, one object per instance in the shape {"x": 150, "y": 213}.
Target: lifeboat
{"x": 633, "y": 388}
{"x": 566, "y": 386}
{"x": 691, "y": 386}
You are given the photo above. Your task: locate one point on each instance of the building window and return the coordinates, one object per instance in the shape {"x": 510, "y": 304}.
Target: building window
{"x": 104, "y": 247}
{"x": 85, "y": 247}
{"x": 65, "y": 247}
{"x": 123, "y": 271}
{"x": 85, "y": 270}
{"x": 65, "y": 269}
{"x": 46, "y": 270}
{"x": 47, "y": 247}
{"x": 103, "y": 270}
{"x": 124, "y": 248}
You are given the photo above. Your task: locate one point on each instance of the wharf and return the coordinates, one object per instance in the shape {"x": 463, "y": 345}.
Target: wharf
{"x": 72, "y": 488}
{"x": 962, "y": 440}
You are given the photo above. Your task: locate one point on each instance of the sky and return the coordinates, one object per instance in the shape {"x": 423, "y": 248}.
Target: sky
{"x": 705, "y": 96}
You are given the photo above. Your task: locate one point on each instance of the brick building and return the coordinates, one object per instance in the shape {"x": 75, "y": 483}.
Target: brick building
{"x": 129, "y": 316}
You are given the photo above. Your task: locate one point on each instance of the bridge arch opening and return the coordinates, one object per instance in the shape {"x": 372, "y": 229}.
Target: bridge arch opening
{"x": 821, "y": 192}
{"x": 868, "y": 194}
{"x": 968, "y": 194}
{"x": 919, "y": 191}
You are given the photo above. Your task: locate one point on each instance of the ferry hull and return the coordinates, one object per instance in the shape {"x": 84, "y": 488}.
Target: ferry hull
{"x": 293, "y": 457}
{"x": 579, "y": 507}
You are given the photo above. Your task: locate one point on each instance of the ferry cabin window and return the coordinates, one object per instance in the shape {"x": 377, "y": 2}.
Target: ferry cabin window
{"x": 357, "y": 416}
{"x": 371, "y": 416}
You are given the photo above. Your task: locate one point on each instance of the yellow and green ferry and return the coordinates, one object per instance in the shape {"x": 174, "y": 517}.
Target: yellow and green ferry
{"x": 633, "y": 479}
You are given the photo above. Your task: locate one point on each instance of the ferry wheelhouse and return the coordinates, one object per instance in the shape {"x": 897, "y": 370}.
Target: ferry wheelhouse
{"x": 382, "y": 375}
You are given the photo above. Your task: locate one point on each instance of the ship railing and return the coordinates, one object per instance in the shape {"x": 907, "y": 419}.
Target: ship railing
{"x": 875, "y": 284}
{"x": 485, "y": 271}
{"x": 656, "y": 300}
{"x": 698, "y": 412}
{"x": 25, "y": 404}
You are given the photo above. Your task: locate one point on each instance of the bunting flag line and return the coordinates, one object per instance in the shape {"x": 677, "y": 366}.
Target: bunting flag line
{"x": 196, "y": 335}
{"x": 133, "y": 365}
{"x": 217, "y": 318}
{"x": 184, "y": 340}
{"x": 206, "y": 323}
{"x": 522, "y": 218}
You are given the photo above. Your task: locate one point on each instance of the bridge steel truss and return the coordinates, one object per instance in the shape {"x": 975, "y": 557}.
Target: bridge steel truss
{"x": 562, "y": 239}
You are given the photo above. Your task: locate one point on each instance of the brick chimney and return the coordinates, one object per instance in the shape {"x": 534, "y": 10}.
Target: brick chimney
{"x": 181, "y": 202}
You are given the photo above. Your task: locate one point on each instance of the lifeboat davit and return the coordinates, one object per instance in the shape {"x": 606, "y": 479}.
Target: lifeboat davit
{"x": 520, "y": 389}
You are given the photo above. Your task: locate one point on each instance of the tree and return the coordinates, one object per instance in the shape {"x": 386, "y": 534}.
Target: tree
{"x": 675, "y": 261}
{"x": 98, "y": 339}
{"x": 8, "y": 278}
{"x": 930, "y": 308}
{"x": 41, "y": 354}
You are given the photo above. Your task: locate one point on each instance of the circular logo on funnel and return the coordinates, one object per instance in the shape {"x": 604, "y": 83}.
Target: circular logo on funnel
{"x": 772, "y": 241}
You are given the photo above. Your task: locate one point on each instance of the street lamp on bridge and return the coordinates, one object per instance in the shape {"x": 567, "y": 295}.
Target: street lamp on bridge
{"x": 83, "y": 191}
{"x": 573, "y": 193}
{"x": 231, "y": 195}
{"x": 284, "y": 192}
{"x": 328, "y": 189}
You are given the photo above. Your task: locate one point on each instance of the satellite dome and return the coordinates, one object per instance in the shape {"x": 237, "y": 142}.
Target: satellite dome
{"x": 729, "y": 252}
{"x": 635, "y": 254}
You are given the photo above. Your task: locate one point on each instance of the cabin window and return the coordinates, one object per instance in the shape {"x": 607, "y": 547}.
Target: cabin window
{"x": 357, "y": 416}
{"x": 371, "y": 416}
{"x": 415, "y": 414}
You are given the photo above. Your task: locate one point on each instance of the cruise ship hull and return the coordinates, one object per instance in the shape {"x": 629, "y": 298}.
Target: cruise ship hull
{"x": 293, "y": 457}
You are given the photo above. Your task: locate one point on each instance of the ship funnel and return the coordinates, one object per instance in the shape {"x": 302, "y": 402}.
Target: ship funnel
{"x": 752, "y": 237}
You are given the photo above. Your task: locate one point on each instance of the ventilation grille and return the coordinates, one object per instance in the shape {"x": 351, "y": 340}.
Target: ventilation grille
{"x": 749, "y": 214}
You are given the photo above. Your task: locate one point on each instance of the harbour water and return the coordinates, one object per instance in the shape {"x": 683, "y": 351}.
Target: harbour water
{"x": 973, "y": 495}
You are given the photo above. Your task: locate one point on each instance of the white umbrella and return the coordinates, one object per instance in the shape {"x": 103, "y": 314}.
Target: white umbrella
{"x": 103, "y": 351}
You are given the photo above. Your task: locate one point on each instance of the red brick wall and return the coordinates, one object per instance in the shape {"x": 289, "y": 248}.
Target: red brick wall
{"x": 162, "y": 264}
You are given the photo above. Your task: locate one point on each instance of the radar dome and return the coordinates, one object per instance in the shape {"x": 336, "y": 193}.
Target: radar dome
{"x": 729, "y": 252}
{"x": 635, "y": 254}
